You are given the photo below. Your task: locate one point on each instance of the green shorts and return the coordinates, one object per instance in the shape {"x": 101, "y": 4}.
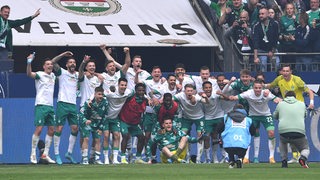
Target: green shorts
{"x": 85, "y": 132}
{"x": 149, "y": 121}
{"x": 210, "y": 125}
{"x": 66, "y": 111}
{"x": 267, "y": 122}
{"x": 186, "y": 124}
{"x": 44, "y": 115}
{"x": 133, "y": 130}
{"x": 112, "y": 125}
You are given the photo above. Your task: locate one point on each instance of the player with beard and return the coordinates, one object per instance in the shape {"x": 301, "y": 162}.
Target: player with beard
{"x": 226, "y": 105}
{"x": 182, "y": 78}
{"x": 67, "y": 103}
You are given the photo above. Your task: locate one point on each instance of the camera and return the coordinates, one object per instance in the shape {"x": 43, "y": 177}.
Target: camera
{"x": 241, "y": 22}
{"x": 317, "y": 21}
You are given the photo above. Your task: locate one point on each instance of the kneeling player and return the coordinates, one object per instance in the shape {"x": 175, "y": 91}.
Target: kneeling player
{"x": 171, "y": 142}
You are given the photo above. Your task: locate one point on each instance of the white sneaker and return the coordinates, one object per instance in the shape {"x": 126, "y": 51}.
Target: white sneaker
{"x": 293, "y": 160}
{"x": 85, "y": 161}
{"x": 98, "y": 161}
{"x": 48, "y": 159}
{"x": 115, "y": 162}
{"x": 33, "y": 159}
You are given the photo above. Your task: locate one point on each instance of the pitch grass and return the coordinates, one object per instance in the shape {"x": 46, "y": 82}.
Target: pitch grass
{"x": 158, "y": 171}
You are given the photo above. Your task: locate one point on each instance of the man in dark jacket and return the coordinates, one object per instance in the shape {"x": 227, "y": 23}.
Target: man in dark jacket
{"x": 265, "y": 38}
{"x": 5, "y": 29}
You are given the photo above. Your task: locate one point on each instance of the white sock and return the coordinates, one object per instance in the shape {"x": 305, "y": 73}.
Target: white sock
{"x": 48, "y": 141}
{"x": 106, "y": 154}
{"x": 224, "y": 152}
{"x": 207, "y": 152}
{"x": 256, "y": 143}
{"x": 85, "y": 153}
{"x": 34, "y": 144}
{"x": 247, "y": 153}
{"x": 115, "y": 155}
{"x": 199, "y": 150}
{"x": 72, "y": 142}
{"x": 92, "y": 152}
{"x": 129, "y": 143}
{"x": 214, "y": 152}
{"x": 271, "y": 144}
{"x": 56, "y": 144}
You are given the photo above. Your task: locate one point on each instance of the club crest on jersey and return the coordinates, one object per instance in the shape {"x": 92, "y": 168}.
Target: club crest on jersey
{"x": 88, "y": 7}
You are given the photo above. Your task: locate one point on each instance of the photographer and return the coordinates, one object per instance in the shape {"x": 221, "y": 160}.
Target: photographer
{"x": 240, "y": 32}
{"x": 232, "y": 13}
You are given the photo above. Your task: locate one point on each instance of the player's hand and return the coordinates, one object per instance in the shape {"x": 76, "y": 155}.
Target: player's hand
{"x": 31, "y": 57}
{"x": 37, "y": 13}
{"x": 126, "y": 50}
{"x": 311, "y": 106}
{"x": 86, "y": 58}
{"x": 103, "y": 47}
{"x": 155, "y": 101}
{"x": 233, "y": 79}
{"x": 266, "y": 92}
{"x": 67, "y": 54}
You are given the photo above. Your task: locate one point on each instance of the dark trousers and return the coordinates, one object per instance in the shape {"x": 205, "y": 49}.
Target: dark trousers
{"x": 240, "y": 152}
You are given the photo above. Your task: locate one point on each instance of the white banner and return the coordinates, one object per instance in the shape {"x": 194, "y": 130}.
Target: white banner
{"x": 113, "y": 22}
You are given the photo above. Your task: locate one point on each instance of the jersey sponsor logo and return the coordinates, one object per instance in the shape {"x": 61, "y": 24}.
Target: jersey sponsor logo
{"x": 239, "y": 124}
{"x": 87, "y": 7}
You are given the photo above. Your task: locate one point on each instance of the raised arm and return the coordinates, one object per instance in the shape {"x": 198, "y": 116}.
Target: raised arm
{"x": 227, "y": 87}
{"x": 127, "y": 60}
{"x": 30, "y": 58}
{"x": 86, "y": 58}
{"x": 56, "y": 59}
{"x": 136, "y": 77}
{"x": 109, "y": 57}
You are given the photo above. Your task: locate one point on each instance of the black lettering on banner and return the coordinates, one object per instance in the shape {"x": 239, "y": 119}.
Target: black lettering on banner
{"x": 76, "y": 29}
{"x": 101, "y": 28}
{"x": 48, "y": 27}
{"x": 187, "y": 31}
{"x": 126, "y": 29}
{"x": 146, "y": 29}
{"x": 26, "y": 28}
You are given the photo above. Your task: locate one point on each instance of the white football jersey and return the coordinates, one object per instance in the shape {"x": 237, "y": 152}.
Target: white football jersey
{"x": 44, "y": 84}
{"x": 68, "y": 84}
{"x": 116, "y": 101}
{"x": 110, "y": 80}
{"x": 258, "y": 105}
{"x": 130, "y": 75}
{"x": 213, "y": 110}
{"x": 87, "y": 87}
{"x": 190, "y": 111}
{"x": 198, "y": 83}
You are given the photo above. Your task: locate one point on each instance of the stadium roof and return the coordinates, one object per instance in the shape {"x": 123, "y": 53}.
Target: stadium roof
{"x": 112, "y": 22}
